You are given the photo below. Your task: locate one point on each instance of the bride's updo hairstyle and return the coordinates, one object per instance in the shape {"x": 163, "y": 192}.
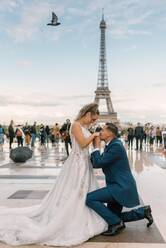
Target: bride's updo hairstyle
{"x": 92, "y": 108}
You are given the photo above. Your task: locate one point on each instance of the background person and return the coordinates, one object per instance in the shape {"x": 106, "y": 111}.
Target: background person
{"x": 130, "y": 138}
{"x": 27, "y": 134}
{"x": 33, "y": 132}
{"x": 139, "y": 134}
{"x": 66, "y": 135}
{"x": 19, "y": 135}
{"x": 2, "y": 133}
{"x": 11, "y": 134}
{"x": 47, "y": 130}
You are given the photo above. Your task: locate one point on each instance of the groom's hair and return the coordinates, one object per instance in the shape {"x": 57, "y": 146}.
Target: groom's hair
{"x": 111, "y": 127}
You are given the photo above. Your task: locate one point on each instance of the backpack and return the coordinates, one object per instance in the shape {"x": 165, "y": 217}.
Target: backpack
{"x": 18, "y": 133}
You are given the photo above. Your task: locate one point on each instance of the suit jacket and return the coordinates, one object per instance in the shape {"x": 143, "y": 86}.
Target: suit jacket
{"x": 65, "y": 127}
{"x": 139, "y": 132}
{"x": 119, "y": 179}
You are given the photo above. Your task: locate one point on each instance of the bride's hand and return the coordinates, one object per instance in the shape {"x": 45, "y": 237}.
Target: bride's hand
{"x": 97, "y": 142}
{"x": 96, "y": 134}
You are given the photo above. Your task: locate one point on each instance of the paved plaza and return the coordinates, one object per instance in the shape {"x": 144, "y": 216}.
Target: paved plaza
{"x": 28, "y": 183}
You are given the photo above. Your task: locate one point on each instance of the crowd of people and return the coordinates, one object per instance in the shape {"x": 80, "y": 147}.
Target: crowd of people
{"x": 137, "y": 135}
{"x": 147, "y": 134}
{"x": 28, "y": 134}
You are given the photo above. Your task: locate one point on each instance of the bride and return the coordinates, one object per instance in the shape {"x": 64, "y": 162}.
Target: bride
{"x": 62, "y": 218}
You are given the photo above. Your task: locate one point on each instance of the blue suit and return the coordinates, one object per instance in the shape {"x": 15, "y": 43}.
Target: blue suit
{"x": 120, "y": 190}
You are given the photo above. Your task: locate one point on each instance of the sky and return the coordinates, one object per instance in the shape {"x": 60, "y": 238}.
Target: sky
{"x": 48, "y": 73}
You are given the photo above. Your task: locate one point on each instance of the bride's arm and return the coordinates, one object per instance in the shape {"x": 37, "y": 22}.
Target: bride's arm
{"x": 77, "y": 132}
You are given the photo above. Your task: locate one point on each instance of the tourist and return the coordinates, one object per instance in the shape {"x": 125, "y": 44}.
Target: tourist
{"x": 33, "y": 132}
{"x": 164, "y": 140}
{"x": 19, "y": 135}
{"x": 130, "y": 136}
{"x": 11, "y": 134}
{"x": 145, "y": 133}
{"x": 158, "y": 136}
{"x": 52, "y": 136}
{"x": 56, "y": 133}
{"x": 139, "y": 134}
{"x": 42, "y": 135}
{"x": 152, "y": 134}
{"x": 47, "y": 131}
{"x": 64, "y": 131}
{"x": 1, "y": 137}
{"x": 27, "y": 134}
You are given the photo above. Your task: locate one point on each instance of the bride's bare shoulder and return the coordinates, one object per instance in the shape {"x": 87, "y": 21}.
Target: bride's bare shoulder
{"x": 76, "y": 126}
{"x": 76, "y": 123}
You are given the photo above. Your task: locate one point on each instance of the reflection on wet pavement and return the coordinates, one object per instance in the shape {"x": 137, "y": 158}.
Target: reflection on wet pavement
{"x": 140, "y": 161}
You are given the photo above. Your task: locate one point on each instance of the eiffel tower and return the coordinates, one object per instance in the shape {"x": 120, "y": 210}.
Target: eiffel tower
{"x": 102, "y": 92}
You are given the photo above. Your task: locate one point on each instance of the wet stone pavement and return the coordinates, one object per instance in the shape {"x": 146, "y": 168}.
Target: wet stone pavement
{"x": 26, "y": 184}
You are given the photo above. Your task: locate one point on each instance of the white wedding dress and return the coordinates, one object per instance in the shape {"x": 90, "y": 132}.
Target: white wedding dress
{"x": 62, "y": 219}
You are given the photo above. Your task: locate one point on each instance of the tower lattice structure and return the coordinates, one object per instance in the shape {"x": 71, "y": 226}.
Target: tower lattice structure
{"x": 102, "y": 92}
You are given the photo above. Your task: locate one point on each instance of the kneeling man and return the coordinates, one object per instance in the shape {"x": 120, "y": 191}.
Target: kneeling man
{"x": 120, "y": 190}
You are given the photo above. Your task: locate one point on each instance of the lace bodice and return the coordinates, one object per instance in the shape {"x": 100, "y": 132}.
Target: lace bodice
{"x": 76, "y": 147}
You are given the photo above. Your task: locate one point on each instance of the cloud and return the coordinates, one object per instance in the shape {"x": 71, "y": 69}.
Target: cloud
{"x": 79, "y": 97}
{"x": 144, "y": 115}
{"x": 131, "y": 48}
{"x": 30, "y": 100}
{"x": 10, "y": 5}
{"x": 39, "y": 100}
{"x": 141, "y": 18}
{"x": 29, "y": 23}
{"x": 123, "y": 99}
{"x": 124, "y": 18}
{"x": 123, "y": 32}
{"x": 25, "y": 63}
{"x": 159, "y": 85}
{"x": 47, "y": 108}
{"x": 77, "y": 12}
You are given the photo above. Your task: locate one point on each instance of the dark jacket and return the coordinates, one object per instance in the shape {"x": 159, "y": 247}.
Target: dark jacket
{"x": 130, "y": 131}
{"x": 139, "y": 132}
{"x": 65, "y": 132}
{"x": 47, "y": 129}
{"x": 33, "y": 130}
{"x": 65, "y": 127}
{"x": 119, "y": 179}
{"x": 11, "y": 131}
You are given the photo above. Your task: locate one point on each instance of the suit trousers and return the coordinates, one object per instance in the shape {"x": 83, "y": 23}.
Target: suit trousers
{"x": 139, "y": 140}
{"x": 130, "y": 140}
{"x": 112, "y": 213}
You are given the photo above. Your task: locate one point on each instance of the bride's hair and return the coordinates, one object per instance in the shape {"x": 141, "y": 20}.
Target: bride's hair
{"x": 93, "y": 108}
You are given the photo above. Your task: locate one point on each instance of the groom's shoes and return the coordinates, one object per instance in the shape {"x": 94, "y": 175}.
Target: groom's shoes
{"x": 148, "y": 215}
{"x": 114, "y": 229}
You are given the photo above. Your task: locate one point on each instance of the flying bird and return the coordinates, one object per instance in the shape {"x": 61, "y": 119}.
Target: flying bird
{"x": 54, "y": 21}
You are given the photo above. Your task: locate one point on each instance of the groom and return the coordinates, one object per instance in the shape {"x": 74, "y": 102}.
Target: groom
{"x": 120, "y": 190}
